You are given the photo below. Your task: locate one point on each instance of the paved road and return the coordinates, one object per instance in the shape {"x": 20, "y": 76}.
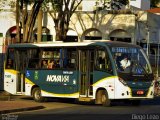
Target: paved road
{"x": 148, "y": 110}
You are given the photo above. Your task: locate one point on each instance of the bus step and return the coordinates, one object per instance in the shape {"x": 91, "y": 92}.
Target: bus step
{"x": 86, "y": 99}
{"x": 20, "y": 93}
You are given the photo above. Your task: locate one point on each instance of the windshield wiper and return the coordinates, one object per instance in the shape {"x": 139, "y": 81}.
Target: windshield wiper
{"x": 138, "y": 66}
{"x": 146, "y": 73}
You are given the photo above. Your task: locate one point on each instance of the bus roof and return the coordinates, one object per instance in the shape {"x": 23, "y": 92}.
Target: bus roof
{"x": 61, "y": 44}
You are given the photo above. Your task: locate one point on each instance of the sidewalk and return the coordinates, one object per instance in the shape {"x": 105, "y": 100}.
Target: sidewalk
{"x": 17, "y": 104}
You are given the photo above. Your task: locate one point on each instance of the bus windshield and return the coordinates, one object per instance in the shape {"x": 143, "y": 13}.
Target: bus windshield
{"x": 131, "y": 60}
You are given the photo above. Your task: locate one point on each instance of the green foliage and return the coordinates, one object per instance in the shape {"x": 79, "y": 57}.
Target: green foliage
{"x": 4, "y": 3}
{"x": 114, "y": 4}
{"x": 55, "y": 4}
{"x": 124, "y": 2}
{"x": 61, "y": 12}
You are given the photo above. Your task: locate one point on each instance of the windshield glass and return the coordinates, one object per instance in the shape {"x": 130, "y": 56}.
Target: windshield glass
{"x": 131, "y": 60}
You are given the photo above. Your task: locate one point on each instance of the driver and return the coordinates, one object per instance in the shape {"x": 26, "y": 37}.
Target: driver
{"x": 125, "y": 62}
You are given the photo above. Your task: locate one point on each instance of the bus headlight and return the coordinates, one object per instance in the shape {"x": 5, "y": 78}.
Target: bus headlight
{"x": 122, "y": 81}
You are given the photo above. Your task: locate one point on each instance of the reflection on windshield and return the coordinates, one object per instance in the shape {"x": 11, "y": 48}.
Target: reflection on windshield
{"x": 131, "y": 60}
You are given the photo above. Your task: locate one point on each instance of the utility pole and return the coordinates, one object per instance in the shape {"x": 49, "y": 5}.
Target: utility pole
{"x": 147, "y": 38}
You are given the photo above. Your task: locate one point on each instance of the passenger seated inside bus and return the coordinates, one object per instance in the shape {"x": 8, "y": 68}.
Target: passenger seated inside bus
{"x": 9, "y": 64}
{"x": 51, "y": 64}
{"x": 44, "y": 64}
{"x": 101, "y": 60}
{"x": 101, "y": 63}
{"x": 57, "y": 63}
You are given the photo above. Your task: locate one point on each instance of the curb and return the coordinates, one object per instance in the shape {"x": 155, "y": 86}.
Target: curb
{"x": 21, "y": 109}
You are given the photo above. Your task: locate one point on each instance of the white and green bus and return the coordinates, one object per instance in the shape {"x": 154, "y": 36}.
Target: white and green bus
{"x": 86, "y": 71}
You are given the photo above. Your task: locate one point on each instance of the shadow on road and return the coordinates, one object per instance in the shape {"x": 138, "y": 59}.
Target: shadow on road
{"x": 155, "y": 101}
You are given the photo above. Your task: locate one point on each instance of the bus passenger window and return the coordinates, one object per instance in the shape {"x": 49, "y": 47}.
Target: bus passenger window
{"x": 43, "y": 54}
{"x": 33, "y": 63}
{"x": 47, "y": 54}
{"x": 10, "y": 59}
{"x": 103, "y": 61}
{"x": 9, "y": 64}
{"x": 51, "y": 64}
{"x": 69, "y": 60}
{"x": 44, "y": 64}
{"x": 57, "y": 63}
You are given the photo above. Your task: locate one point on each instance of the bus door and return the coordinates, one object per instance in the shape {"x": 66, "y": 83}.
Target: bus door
{"x": 21, "y": 61}
{"x": 10, "y": 76}
{"x": 86, "y": 67}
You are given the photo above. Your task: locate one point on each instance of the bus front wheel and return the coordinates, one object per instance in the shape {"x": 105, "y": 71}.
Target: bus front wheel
{"x": 102, "y": 98}
{"x": 37, "y": 95}
{"x": 105, "y": 100}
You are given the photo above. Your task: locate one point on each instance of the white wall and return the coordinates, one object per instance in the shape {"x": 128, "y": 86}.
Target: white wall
{"x": 142, "y": 4}
{"x": 145, "y": 5}
{"x": 88, "y": 5}
{"x": 7, "y": 20}
{"x": 1, "y": 44}
{"x": 135, "y": 3}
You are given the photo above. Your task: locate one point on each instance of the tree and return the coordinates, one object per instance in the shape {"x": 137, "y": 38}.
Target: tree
{"x": 61, "y": 14}
{"x": 25, "y": 19}
{"x": 112, "y": 4}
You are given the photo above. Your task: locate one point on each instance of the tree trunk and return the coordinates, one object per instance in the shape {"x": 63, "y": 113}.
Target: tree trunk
{"x": 24, "y": 19}
{"x": 61, "y": 28}
{"x": 18, "y": 33}
{"x": 60, "y": 34}
{"x": 31, "y": 21}
{"x": 39, "y": 31}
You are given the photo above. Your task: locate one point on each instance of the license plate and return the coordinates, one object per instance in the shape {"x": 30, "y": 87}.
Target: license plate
{"x": 140, "y": 92}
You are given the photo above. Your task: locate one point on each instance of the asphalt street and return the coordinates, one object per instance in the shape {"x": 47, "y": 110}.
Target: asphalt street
{"x": 65, "y": 110}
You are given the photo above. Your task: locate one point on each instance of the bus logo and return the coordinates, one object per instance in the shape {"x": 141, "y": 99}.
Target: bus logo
{"x": 57, "y": 78}
{"x": 36, "y": 75}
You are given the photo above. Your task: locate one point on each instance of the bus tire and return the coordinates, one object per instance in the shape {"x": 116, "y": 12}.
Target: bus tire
{"x": 105, "y": 100}
{"x": 98, "y": 97}
{"x": 102, "y": 98}
{"x": 37, "y": 95}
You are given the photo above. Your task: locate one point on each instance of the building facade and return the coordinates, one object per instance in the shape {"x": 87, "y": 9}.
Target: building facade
{"x": 142, "y": 4}
{"x": 88, "y": 23}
